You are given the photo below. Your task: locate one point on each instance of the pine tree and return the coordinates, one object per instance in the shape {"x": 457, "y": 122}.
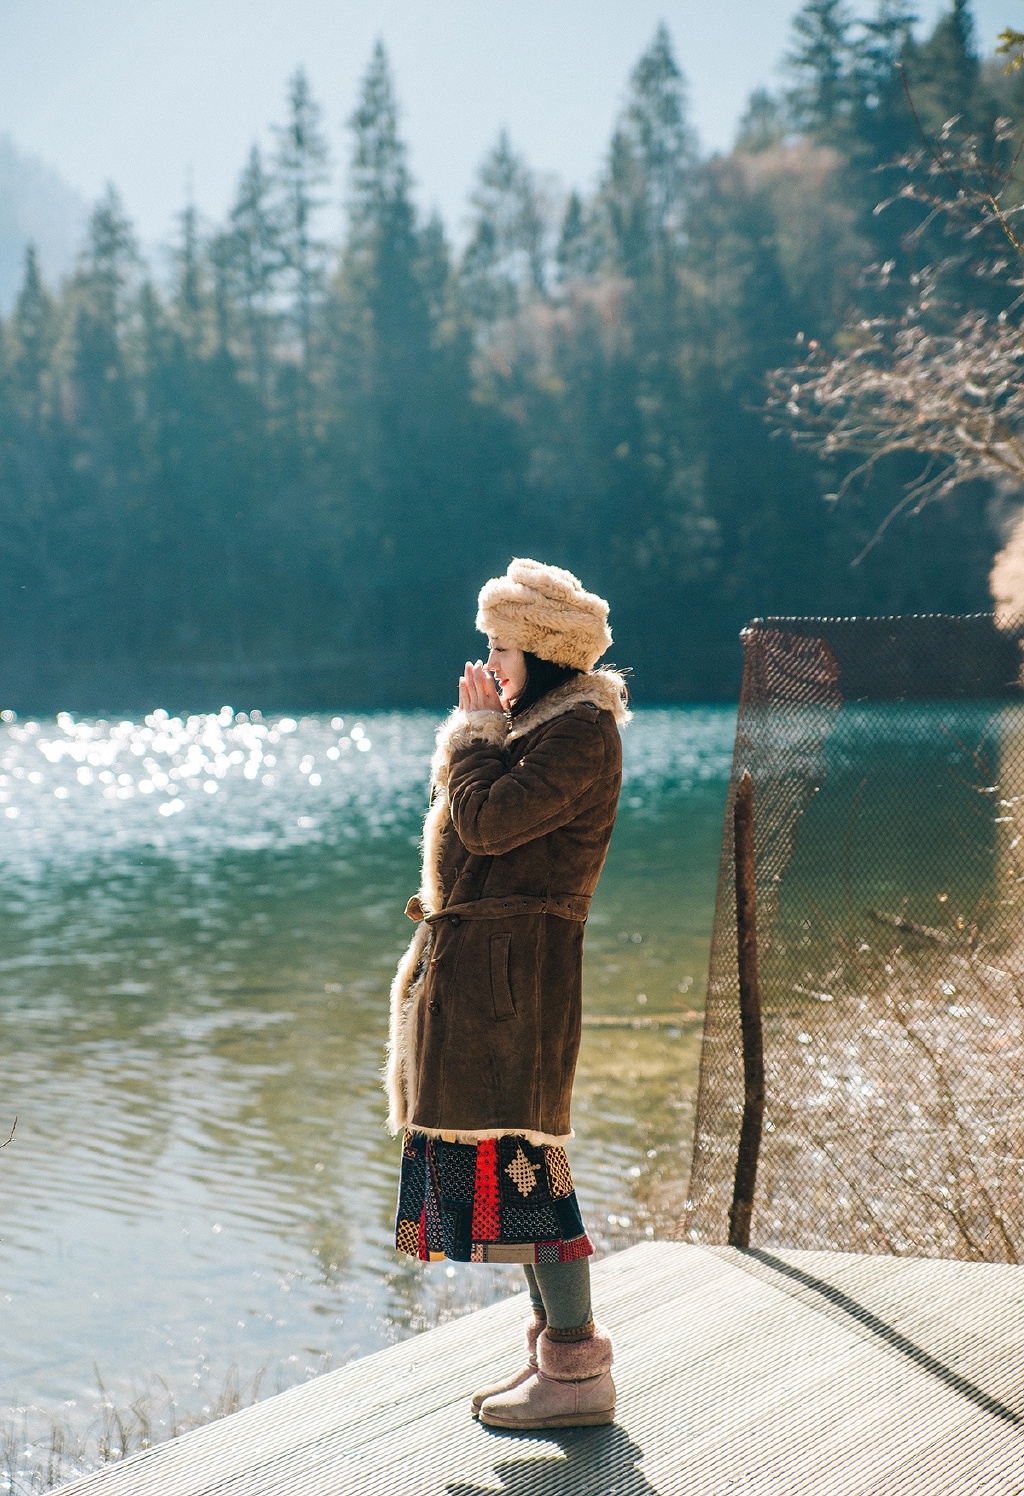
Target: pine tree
{"x": 945, "y": 76}
{"x": 104, "y": 284}
{"x": 761, "y": 536}
{"x": 29, "y": 432}
{"x": 207, "y": 467}
{"x": 253, "y": 260}
{"x": 33, "y": 332}
{"x": 188, "y": 286}
{"x": 380, "y": 176}
{"x": 888, "y": 39}
{"x": 882, "y": 122}
{"x": 881, "y": 131}
{"x": 429, "y": 459}
{"x": 504, "y": 265}
{"x": 83, "y": 547}
{"x": 822, "y": 65}
{"x": 108, "y": 261}
{"x": 651, "y": 163}
{"x": 849, "y": 97}
{"x": 383, "y": 249}
{"x": 763, "y": 125}
{"x": 580, "y": 250}
{"x": 302, "y": 171}
{"x": 434, "y": 273}
{"x": 387, "y": 352}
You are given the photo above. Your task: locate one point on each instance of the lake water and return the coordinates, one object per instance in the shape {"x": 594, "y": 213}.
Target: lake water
{"x": 198, "y": 925}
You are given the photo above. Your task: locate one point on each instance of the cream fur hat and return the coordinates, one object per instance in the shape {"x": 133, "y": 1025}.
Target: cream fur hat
{"x": 545, "y": 611}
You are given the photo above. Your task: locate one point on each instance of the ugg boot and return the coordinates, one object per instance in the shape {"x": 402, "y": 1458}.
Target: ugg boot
{"x": 534, "y": 1325}
{"x": 573, "y": 1386}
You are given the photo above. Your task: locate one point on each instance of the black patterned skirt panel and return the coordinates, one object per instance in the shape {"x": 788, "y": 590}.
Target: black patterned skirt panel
{"x": 499, "y": 1200}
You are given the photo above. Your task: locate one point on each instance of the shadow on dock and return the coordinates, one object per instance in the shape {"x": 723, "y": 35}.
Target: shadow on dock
{"x": 740, "y": 1373}
{"x": 892, "y": 1337}
{"x": 590, "y": 1460}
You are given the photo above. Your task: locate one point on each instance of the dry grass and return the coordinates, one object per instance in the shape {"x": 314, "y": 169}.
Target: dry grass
{"x": 895, "y": 1123}
{"x": 39, "y": 1452}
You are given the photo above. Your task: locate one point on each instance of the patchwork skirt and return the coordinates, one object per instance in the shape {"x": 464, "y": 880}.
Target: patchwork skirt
{"x": 499, "y": 1200}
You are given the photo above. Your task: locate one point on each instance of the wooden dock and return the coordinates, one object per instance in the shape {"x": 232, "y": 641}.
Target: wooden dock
{"x": 760, "y": 1373}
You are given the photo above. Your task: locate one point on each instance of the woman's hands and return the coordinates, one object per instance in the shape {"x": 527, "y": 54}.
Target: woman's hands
{"x": 477, "y": 691}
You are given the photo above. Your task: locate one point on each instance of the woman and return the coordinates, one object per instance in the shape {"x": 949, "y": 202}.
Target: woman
{"x": 486, "y": 1004}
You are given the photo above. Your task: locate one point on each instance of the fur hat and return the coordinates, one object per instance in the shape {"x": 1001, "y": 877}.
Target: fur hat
{"x": 545, "y": 611}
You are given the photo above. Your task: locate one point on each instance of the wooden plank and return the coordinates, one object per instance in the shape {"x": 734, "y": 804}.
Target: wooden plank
{"x": 771, "y": 1374}
{"x": 800, "y": 1413}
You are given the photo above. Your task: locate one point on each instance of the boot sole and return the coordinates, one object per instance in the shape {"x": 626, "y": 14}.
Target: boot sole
{"x": 569, "y": 1420}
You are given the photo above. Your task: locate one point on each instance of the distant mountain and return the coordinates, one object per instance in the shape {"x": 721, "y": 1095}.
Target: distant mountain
{"x": 36, "y": 207}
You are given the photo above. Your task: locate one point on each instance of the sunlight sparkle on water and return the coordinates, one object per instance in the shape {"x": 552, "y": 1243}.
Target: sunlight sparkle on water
{"x": 199, "y": 921}
{"x": 65, "y": 777}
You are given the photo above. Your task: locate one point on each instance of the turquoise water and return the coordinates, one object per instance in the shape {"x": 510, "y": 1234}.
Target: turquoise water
{"x": 198, "y": 925}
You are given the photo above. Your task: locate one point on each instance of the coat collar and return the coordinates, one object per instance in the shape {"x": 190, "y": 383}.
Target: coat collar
{"x": 606, "y": 689}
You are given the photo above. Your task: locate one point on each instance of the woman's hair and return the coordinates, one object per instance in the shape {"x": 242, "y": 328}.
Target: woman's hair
{"x": 542, "y": 676}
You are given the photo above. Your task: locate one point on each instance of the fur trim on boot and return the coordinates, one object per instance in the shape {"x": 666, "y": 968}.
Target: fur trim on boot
{"x": 572, "y": 1387}
{"x": 533, "y": 1327}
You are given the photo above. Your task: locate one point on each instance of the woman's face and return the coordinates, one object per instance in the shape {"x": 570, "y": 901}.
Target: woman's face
{"x": 508, "y": 667}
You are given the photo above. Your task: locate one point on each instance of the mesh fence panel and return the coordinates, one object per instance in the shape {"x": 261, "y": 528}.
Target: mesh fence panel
{"x": 888, "y": 764}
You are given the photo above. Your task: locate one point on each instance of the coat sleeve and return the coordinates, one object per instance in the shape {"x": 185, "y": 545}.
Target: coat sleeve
{"x": 495, "y": 809}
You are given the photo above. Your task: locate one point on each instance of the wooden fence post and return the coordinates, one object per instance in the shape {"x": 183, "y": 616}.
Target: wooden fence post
{"x": 750, "y": 1016}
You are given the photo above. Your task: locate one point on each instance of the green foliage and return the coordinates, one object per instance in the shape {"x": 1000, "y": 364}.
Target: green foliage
{"x": 1012, "y": 42}
{"x": 822, "y": 98}
{"x": 505, "y": 262}
{"x": 946, "y": 73}
{"x": 282, "y": 475}
{"x": 651, "y": 161}
{"x": 764, "y": 125}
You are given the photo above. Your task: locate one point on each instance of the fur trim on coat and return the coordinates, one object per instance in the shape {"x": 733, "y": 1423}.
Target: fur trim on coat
{"x": 546, "y": 611}
{"x": 457, "y": 731}
{"x": 604, "y": 689}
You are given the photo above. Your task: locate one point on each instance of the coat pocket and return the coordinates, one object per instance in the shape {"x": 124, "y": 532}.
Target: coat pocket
{"x": 501, "y": 992}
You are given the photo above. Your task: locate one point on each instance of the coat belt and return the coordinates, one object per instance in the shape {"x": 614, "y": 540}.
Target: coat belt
{"x": 565, "y": 905}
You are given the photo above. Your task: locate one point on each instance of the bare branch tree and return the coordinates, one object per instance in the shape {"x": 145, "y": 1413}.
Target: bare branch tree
{"x": 956, "y": 398}
{"x": 941, "y": 384}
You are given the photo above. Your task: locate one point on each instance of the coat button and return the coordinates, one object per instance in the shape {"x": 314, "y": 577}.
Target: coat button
{"x": 434, "y": 1007}
{"x": 455, "y": 919}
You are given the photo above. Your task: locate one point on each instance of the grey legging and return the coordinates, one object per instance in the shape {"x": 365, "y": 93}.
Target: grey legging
{"x": 560, "y": 1291}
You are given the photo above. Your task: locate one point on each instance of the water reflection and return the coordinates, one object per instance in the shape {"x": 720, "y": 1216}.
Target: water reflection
{"x": 198, "y": 923}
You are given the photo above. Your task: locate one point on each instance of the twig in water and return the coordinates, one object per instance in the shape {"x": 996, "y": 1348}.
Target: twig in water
{"x": 11, "y": 1133}
{"x": 898, "y": 922}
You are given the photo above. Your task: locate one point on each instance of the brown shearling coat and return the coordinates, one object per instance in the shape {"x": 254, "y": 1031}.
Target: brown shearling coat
{"x": 486, "y": 1004}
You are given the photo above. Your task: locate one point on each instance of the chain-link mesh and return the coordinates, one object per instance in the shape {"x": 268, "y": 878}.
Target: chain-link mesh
{"x": 888, "y": 764}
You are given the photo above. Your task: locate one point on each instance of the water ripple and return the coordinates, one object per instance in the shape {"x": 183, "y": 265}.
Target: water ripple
{"x": 199, "y": 917}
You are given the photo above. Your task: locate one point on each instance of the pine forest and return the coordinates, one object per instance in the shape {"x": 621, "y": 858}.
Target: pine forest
{"x": 279, "y": 474}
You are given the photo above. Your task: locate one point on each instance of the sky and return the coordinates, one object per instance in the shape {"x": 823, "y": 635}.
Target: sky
{"x": 165, "y": 97}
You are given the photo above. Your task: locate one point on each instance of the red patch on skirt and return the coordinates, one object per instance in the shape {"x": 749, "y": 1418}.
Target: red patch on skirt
{"x": 571, "y": 1251}
{"x": 486, "y": 1224}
